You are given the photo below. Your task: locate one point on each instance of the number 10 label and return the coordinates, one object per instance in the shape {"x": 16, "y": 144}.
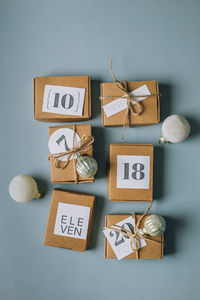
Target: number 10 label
{"x": 63, "y": 100}
{"x": 133, "y": 171}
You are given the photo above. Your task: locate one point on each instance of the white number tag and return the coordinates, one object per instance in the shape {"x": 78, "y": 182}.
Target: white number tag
{"x": 121, "y": 243}
{"x": 63, "y": 100}
{"x": 62, "y": 141}
{"x": 133, "y": 172}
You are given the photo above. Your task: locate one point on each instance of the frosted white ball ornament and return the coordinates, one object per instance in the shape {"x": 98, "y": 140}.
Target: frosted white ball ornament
{"x": 23, "y": 188}
{"x": 175, "y": 129}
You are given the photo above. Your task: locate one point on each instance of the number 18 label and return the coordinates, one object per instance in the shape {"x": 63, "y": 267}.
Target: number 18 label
{"x": 133, "y": 171}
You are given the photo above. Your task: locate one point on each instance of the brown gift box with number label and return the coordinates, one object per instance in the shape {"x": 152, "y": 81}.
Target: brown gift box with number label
{"x": 65, "y": 81}
{"x": 150, "y": 251}
{"x": 68, "y": 242}
{"x": 67, "y": 175}
{"x": 151, "y": 104}
{"x": 130, "y": 184}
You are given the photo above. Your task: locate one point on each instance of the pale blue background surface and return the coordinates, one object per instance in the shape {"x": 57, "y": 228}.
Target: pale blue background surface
{"x": 153, "y": 39}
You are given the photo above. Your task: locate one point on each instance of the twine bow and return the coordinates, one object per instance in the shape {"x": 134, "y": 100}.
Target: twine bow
{"x": 131, "y": 101}
{"x": 137, "y": 234}
{"x": 79, "y": 148}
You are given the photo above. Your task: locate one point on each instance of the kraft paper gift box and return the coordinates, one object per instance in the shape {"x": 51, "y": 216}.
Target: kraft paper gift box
{"x": 150, "y": 104}
{"x": 60, "y": 139}
{"x": 62, "y": 98}
{"x": 70, "y": 220}
{"x": 130, "y": 172}
{"x": 150, "y": 251}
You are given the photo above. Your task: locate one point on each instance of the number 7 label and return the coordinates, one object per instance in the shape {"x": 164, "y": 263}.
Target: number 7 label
{"x": 133, "y": 171}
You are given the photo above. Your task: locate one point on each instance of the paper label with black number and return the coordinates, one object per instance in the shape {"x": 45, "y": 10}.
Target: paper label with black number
{"x": 61, "y": 141}
{"x": 133, "y": 171}
{"x": 63, "y": 100}
{"x": 121, "y": 243}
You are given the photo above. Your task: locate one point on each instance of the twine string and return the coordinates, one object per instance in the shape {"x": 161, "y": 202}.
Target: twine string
{"x": 137, "y": 235}
{"x": 123, "y": 86}
{"x": 131, "y": 101}
{"x": 79, "y": 148}
{"x": 74, "y": 164}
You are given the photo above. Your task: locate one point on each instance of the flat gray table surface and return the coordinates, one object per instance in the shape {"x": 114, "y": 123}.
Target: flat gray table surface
{"x": 146, "y": 40}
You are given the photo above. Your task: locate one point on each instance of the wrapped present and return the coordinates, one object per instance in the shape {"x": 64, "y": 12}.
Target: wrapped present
{"x": 66, "y": 144}
{"x": 62, "y": 98}
{"x": 129, "y": 103}
{"x": 127, "y": 236}
{"x": 114, "y": 110}
{"x": 70, "y": 220}
{"x": 130, "y": 172}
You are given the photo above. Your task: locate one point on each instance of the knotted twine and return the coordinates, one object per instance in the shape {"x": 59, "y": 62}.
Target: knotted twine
{"x": 137, "y": 234}
{"x": 131, "y": 101}
{"x": 79, "y": 148}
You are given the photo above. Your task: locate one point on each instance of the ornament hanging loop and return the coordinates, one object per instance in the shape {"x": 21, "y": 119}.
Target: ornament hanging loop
{"x": 38, "y": 195}
{"x": 162, "y": 141}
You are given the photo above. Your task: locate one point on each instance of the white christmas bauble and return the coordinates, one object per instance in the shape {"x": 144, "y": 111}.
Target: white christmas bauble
{"x": 154, "y": 225}
{"x": 86, "y": 166}
{"x": 175, "y": 129}
{"x": 23, "y": 188}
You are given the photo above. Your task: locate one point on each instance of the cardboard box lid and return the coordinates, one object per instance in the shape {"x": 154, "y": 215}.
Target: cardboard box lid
{"x": 151, "y": 251}
{"x": 125, "y": 194}
{"x": 151, "y": 105}
{"x": 70, "y": 81}
{"x": 61, "y": 196}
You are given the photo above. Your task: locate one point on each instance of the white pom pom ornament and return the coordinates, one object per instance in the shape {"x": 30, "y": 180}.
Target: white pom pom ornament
{"x": 175, "y": 129}
{"x": 23, "y": 188}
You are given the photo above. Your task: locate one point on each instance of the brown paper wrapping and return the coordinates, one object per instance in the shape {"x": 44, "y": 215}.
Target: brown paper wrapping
{"x": 71, "y": 81}
{"x": 151, "y": 105}
{"x": 67, "y": 242}
{"x": 151, "y": 251}
{"x": 121, "y": 195}
{"x": 67, "y": 175}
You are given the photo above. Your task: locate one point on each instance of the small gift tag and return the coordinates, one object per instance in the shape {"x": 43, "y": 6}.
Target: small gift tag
{"x": 72, "y": 220}
{"x": 61, "y": 140}
{"x": 63, "y": 100}
{"x": 133, "y": 171}
{"x": 121, "y": 244}
{"x": 120, "y": 104}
